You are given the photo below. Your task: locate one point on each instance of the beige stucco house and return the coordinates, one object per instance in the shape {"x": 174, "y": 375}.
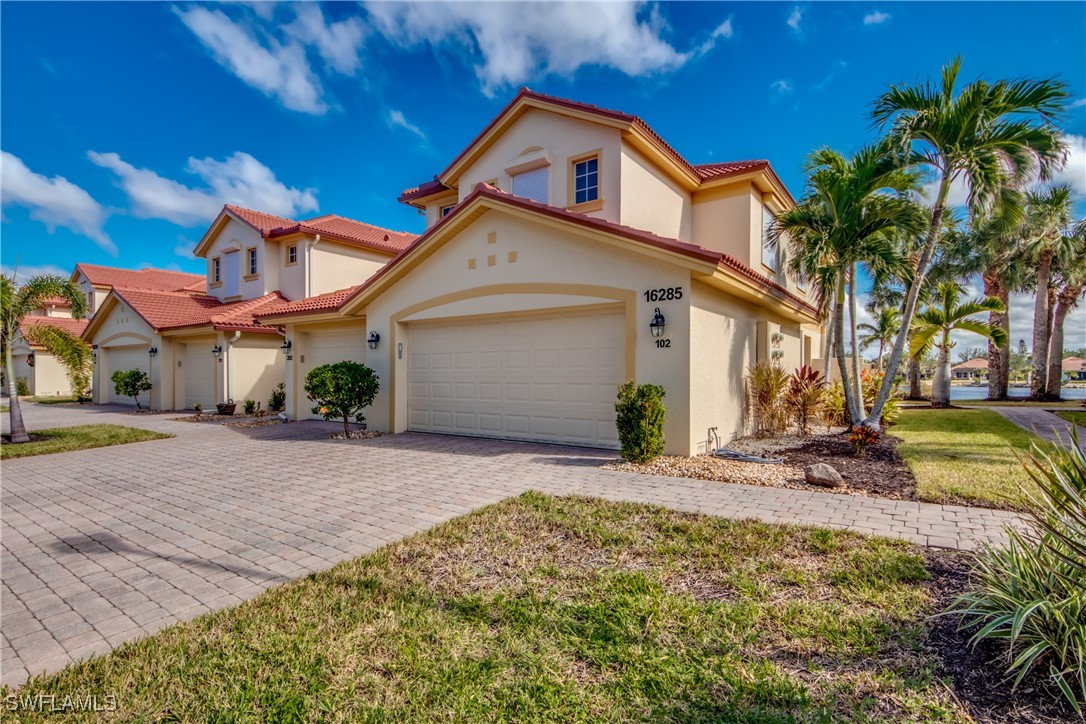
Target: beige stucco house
{"x": 568, "y": 249}
{"x": 45, "y": 376}
{"x": 197, "y": 336}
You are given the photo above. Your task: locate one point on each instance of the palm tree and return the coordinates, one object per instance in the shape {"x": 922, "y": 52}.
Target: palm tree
{"x": 934, "y": 325}
{"x": 1071, "y": 268}
{"x": 847, "y": 218}
{"x": 995, "y": 136}
{"x": 1048, "y": 214}
{"x": 885, "y": 328}
{"x": 16, "y": 302}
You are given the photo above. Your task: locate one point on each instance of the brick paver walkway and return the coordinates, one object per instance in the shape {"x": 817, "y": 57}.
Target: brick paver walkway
{"x": 1044, "y": 423}
{"x": 102, "y": 546}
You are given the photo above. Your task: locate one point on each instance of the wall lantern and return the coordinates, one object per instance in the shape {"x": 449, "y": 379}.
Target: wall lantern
{"x": 285, "y": 347}
{"x": 153, "y": 351}
{"x": 216, "y": 351}
{"x": 30, "y": 359}
{"x": 94, "y": 352}
{"x": 657, "y": 324}
{"x": 373, "y": 340}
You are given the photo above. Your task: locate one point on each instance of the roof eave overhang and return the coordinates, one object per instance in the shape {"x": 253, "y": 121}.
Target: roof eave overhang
{"x": 725, "y": 280}
{"x": 652, "y": 148}
{"x": 420, "y": 201}
{"x": 763, "y": 179}
{"x": 328, "y": 315}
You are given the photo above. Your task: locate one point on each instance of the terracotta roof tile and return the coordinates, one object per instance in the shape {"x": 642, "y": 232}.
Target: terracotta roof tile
{"x": 264, "y": 223}
{"x": 55, "y": 302}
{"x": 349, "y": 230}
{"x": 173, "y": 310}
{"x": 156, "y": 279}
{"x": 707, "y": 171}
{"x": 977, "y": 363}
{"x": 72, "y": 326}
{"x": 327, "y": 302}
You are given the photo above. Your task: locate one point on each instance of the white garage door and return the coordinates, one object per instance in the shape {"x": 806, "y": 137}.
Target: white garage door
{"x": 200, "y": 369}
{"x": 124, "y": 358}
{"x": 331, "y": 347}
{"x": 529, "y": 378}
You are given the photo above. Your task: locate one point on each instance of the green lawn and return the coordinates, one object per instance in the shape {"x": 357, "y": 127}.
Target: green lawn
{"x": 965, "y": 456}
{"x": 557, "y": 609}
{"x": 1076, "y": 416}
{"x": 48, "y": 400}
{"x": 78, "y": 437}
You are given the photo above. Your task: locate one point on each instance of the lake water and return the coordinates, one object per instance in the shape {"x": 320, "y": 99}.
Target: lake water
{"x": 981, "y": 393}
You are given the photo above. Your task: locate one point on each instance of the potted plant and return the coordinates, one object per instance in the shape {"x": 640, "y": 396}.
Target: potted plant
{"x": 226, "y": 408}
{"x": 198, "y": 408}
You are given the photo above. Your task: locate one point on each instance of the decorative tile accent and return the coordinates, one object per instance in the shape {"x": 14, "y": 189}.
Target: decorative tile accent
{"x": 492, "y": 237}
{"x": 491, "y": 260}
{"x": 512, "y": 257}
{"x": 471, "y": 263}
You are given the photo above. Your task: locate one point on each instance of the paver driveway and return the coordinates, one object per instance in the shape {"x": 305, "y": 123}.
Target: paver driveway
{"x": 101, "y": 546}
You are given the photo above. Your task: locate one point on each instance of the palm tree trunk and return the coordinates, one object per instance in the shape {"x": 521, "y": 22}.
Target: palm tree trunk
{"x": 1066, "y": 300}
{"x": 911, "y": 300}
{"x": 915, "y": 393}
{"x": 999, "y": 356}
{"x": 827, "y": 347}
{"x": 1041, "y": 316}
{"x": 852, "y": 332}
{"x": 839, "y": 352}
{"x": 940, "y": 386}
{"x": 15, "y": 410}
{"x": 882, "y": 345}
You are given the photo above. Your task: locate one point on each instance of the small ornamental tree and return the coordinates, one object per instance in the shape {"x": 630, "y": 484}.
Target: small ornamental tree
{"x": 640, "y": 421}
{"x": 341, "y": 391}
{"x": 131, "y": 383}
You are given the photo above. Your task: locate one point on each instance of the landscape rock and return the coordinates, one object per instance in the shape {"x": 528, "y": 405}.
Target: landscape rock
{"x": 823, "y": 475}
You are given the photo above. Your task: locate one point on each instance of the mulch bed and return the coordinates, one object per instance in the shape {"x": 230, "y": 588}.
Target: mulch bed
{"x": 880, "y": 472}
{"x": 977, "y": 675}
{"x": 258, "y": 422}
{"x": 212, "y": 417}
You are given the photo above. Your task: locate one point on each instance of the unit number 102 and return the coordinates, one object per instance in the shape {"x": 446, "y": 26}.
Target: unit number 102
{"x": 660, "y": 295}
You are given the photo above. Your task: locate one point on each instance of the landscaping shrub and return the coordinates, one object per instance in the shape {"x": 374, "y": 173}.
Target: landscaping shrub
{"x": 803, "y": 400}
{"x": 22, "y": 387}
{"x": 1031, "y": 594}
{"x": 131, "y": 383}
{"x": 341, "y": 391}
{"x": 249, "y": 407}
{"x": 278, "y": 399}
{"x": 833, "y": 412}
{"x": 766, "y": 385}
{"x": 861, "y": 437}
{"x": 640, "y": 421}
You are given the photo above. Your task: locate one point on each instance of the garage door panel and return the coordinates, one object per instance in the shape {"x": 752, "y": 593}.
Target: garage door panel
{"x": 528, "y": 378}
{"x": 124, "y": 359}
{"x": 200, "y": 369}
{"x": 331, "y": 347}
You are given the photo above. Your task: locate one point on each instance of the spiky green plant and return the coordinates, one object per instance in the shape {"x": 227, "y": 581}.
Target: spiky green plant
{"x": 766, "y": 386}
{"x": 833, "y": 411}
{"x": 803, "y": 399}
{"x": 1031, "y": 594}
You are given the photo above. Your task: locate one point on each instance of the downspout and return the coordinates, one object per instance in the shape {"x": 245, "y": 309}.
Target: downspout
{"x": 309, "y": 265}
{"x": 230, "y": 364}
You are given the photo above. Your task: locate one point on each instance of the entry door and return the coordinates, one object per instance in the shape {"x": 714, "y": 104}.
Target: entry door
{"x": 547, "y": 379}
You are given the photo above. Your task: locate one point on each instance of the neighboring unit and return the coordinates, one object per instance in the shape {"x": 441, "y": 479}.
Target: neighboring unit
{"x": 45, "y": 376}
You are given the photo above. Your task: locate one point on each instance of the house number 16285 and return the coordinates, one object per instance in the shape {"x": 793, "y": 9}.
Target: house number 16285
{"x": 663, "y": 294}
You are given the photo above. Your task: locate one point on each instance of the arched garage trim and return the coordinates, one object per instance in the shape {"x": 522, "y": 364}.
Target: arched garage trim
{"x": 627, "y": 297}
{"x": 136, "y": 339}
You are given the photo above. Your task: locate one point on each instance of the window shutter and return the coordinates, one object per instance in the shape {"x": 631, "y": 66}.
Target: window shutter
{"x": 231, "y": 274}
{"x": 532, "y": 184}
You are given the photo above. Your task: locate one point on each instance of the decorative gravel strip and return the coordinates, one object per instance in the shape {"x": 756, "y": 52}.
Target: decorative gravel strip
{"x": 258, "y": 422}
{"x": 212, "y": 417}
{"x": 356, "y": 435}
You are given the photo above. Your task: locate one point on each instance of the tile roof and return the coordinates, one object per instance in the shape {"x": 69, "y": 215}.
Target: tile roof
{"x": 977, "y": 363}
{"x": 341, "y": 228}
{"x": 71, "y": 326}
{"x": 702, "y": 172}
{"x": 327, "y": 302}
{"x": 156, "y": 279}
{"x": 174, "y": 310}
{"x": 719, "y": 259}
{"x": 55, "y": 302}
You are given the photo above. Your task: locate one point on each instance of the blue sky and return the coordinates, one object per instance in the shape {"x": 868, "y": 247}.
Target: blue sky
{"x": 125, "y": 126}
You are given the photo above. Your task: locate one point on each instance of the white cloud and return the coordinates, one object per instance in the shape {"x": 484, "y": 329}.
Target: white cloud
{"x": 511, "y": 43}
{"x": 795, "y": 18}
{"x": 397, "y": 119}
{"x": 724, "y": 30}
{"x": 876, "y": 18}
{"x": 53, "y": 201}
{"x": 22, "y": 273}
{"x": 1074, "y": 172}
{"x": 1078, "y": 104}
{"x": 278, "y": 70}
{"x": 239, "y": 179}
{"x": 184, "y": 247}
{"x": 337, "y": 43}
{"x": 781, "y": 87}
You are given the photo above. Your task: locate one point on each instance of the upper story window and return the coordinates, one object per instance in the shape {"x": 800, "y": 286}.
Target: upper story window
{"x": 446, "y": 210}
{"x": 292, "y": 254}
{"x": 251, "y": 257}
{"x": 533, "y": 184}
{"x": 90, "y": 301}
{"x": 586, "y": 180}
{"x": 216, "y": 270}
{"x": 769, "y": 249}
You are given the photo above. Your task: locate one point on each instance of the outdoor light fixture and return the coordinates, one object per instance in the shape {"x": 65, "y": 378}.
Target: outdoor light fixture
{"x": 30, "y": 359}
{"x": 153, "y": 351}
{"x": 374, "y": 338}
{"x": 216, "y": 351}
{"x": 285, "y": 347}
{"x": 657, "y": 324}
{"x": 94, "y": 352}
